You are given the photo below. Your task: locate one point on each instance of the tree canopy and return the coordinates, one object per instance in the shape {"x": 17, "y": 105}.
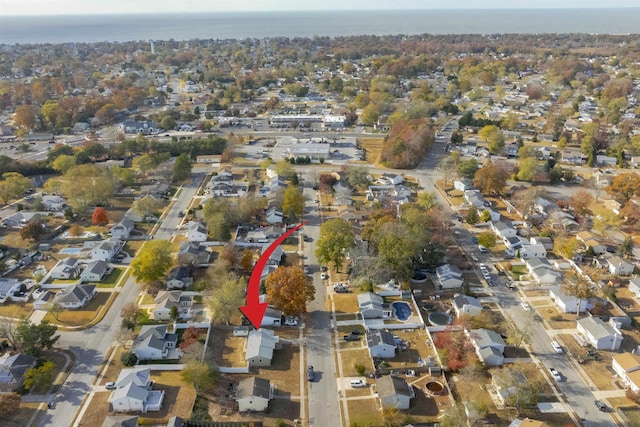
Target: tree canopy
{"x": 289, "y": 289}
{"x": 336, "y": 236}
{"x": 152, "y": 262}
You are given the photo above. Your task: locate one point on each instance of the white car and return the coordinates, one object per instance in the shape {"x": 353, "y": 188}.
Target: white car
{"x": 555, "y": 374}
{"x": 291, "y": 321}
{"x": 358, "y": 383}
{"x": 324, "y": 276}
{"x": 557, "y": 347}
{"x": 525, "y": 306}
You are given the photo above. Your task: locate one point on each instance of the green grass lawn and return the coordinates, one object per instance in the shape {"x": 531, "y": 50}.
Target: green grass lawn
{"x": 81, "y": 316}
{"x": 111, "y": 279}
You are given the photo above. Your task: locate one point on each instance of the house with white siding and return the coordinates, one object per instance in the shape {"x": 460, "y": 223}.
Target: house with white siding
{"x": 599, "y": 334}
{"x": 627, "y": 368}
{"x": 253, "y": 394}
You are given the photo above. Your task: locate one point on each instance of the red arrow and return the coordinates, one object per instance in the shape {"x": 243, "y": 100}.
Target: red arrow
{"x": 254, "y": 309}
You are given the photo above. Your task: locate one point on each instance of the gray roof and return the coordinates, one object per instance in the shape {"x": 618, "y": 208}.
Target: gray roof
{"x": 261, "y": 343}
{"x": 486, "y": 338}
{"x": 389, "y": 385}
{"x": 179, "y": 273}
{"x": 120, "y": 421}
{"x": 253, "y": 386}
{"x": 75, "y": 293}
{"x": 597, "y": 328}
{"x": 138, "y": 376}
{"x": 97, "y": 266}
{"x": 14, "y": 367}
{"x": 461, "y": 300}
{"x": 131, "y": 391}
{"x": 154, "y": 336}
{"x": 380, "y": 337}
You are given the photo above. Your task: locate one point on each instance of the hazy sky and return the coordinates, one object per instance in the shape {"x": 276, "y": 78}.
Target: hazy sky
{"x": 72, "y": 7}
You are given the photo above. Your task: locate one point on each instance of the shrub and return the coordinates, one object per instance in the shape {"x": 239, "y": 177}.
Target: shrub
{"x": 360, "y": 368}
{"x": 129, "y": 358}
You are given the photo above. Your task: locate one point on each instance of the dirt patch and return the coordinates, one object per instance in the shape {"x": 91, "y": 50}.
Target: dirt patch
{"x": 556, "y": 319}
{"x": 179, "y": 396}
{"x": 226, "y": 349}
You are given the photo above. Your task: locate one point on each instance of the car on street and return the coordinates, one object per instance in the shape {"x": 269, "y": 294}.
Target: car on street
{"x": 110, "y": 385}
{"x": 555, "y": 374}
{"x": 306, "y": 269}
{"x": 556, "y": 347}
{"x": 324, "y": 276}
{"x": 525, "y": 306}
{"x": 482, "y": 249}
{"x": 291, "y": 321}
{"x": 310, "y": 374}
{"x": 601, "y": 406}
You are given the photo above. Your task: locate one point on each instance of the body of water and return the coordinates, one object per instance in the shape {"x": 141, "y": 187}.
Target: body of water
{"x": 94, "y": 28}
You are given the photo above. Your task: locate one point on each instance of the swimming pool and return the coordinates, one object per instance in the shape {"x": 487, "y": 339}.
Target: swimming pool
{"x": 437, "y": 318}
{"x": 403, "y": 310}
{"x": 70, "y": 251}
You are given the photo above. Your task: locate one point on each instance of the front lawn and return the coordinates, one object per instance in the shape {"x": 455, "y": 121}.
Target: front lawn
{"x": 111, "y": 279}
{"x": 80, "y": 316}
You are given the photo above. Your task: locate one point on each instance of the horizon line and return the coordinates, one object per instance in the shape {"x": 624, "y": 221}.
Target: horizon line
{"x": 320, "y": 10}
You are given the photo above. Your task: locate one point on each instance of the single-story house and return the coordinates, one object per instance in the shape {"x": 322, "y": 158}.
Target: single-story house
{"x": 253, "y": 394}
{"x": 179, "y": 278}
{"x": 542, "y": 271}
{"x": 634, "y": 286}
{"x": 95, "y": 270}
{"x": 196, "y": 232}
{"x": 123, "y": 229}
{"x": 155, "y": 343}
{"x": 463, "y": 184}
{"x": 165, "y": 300}
{"x": 466, "y": 305}
{"x": 372, "y": 306}
{"x": 155, "y": 190}
{"x": 599, "y": 334}
{"x": 120, "y": 421}
{"x": 12, "y": 370}
{"x": 449, "y": 276}
{"x": 394, "y": 392}
{"x": 106, "y": 250}
{"x": 567, "y": 303}
{"x": 591, "y": 241}
{"x": 75, "y": 296}
{"x": 381, "y": 344}
{"x": 65, "y": 269}
{"x": 53, "y": 203}
{"x": 260, "y": 346}
{"x": 10, "y": 287}
{"x": 20, "y": 219}
{"x": 274, "y": 216}
{"x": 620, "y": 266}
{"x": 489, "y": 346}
{"x": 503, "y": 230}
{"x": 134, "y": 392}
{"x": 272, "y": 317}
{"x": 627, "y": 368}
{"x": 44, "y": 300}
{"x": 191, "y": 253}
{"x": 533, "y": 251}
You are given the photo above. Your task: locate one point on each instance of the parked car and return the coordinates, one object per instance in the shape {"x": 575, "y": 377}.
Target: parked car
{"x": 556, "y": 347}
{"x": 601, "y": 406}
{"x": 310, "y": 374}
{"x": 525, "y": 306}
{"x": 306, "y": 269}
{"x": 110, "y": 385}
{"x": 482, "y": 249}
{"x": 555, "y": 374}
{"x": 474, "y": 239}
{"x": 358, "y": 383}
{"x": 352, "y": 337}
{"x": 324, "y": 276}
{"x": 291, "y": 321}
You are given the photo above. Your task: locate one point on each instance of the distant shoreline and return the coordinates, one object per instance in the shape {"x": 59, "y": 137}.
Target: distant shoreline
{"x": 240, "y": 25}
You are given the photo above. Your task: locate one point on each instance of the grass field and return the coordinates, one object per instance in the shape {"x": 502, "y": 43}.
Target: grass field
{"x": 111, "y": 279}
{"x": 352, "y": 357}
{"x": 372, "y": 148}
{"x": 364, "y": 412}
{"x": 16, "y": 310}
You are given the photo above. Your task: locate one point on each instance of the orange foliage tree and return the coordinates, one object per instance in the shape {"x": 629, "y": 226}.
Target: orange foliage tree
{"x": 289, "y": 289}
{"x": 99, "y": 216}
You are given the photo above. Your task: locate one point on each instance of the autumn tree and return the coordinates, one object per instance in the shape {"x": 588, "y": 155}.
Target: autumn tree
{"x": 454, "y": 348}
{"x": 293, "y": 203}
{"x": 336, "y": 236}
{"x": 492, "y": 177}
{"x": 407, "y": 143}
{"x": 199, "y": 374}
{"x": 25, "y": 116}
{"x": 63, "y": 163}
{"x": 151, "y": 264}
{"x": 358, "y": 177}
{"x": 626, "y": 247}
{"x": 33, "y": 230}
{"x": 130, "y": 311}
{"x": 12, "y": 186}
{"x": 37, "y": 378}
{"x": 85, "y": 186}
{"x": 582, "y": 290}
{"x": 467, "y": 168}
{"x": 75, "y": 230}
{"x": 527, "y": 169}
{"x": 494, "y": 137}
{"x": 226, "y": 297}
{"x": 289, "y": 290}
{"x": 580, "y": 202}
{"x": 524, "y": 392}
{"x": 99, "y": 216}
{"x": 625, "y": 186}
{"x": 428, "y": 200}
{"x": 9, "y": 404}
{"x": 189, "y": 337}
{"x": 566, "y": 246}
{"x": 146, "y": 206}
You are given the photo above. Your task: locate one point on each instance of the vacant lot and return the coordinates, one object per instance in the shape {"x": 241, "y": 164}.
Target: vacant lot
{"x": 345, "y": 303}
{"x": 97, "y": 411}
{"x": 284, "y": 372}
{"x": 226, "y": 349}
{"x": 364, "y": 412}
{"x": 351, "y": 358}
{"x": 21, "y": 417}
{"x": 556, "y": 319}
{"x": 16, "y": 310}
{"x": 372, "y": 148}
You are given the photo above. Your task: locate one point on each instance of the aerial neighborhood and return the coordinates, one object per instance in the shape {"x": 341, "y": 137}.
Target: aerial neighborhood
{"x": 468, "y": 255}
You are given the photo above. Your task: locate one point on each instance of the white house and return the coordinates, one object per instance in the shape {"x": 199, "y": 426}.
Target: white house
{"x": 463, "y": 184}
{"x": 253, "y": 394}
{"x": 620, "y": 266}
{"x": 196, "y": 232}
{"x": 166, "y": 300}
{"x": 134, "y": 392}
{"x": 489, "y": 346}
{"x": 260, "y": 346}
{"x": 76, "y": 296}
{"x": 9, "y": 287}
{"x": 65, "y": 269}
{"x": 272, "y": 317}
{"x": 627, "y": 368}
{"x": 155, "y": 343}
{"x": 274, "y": 216}
{"x": 533, "y": 251}
{"x": 449, "y": 276}
{"x": 466, "y": 305}
{"x": 590, "y": 241}
{"x": 546, "y": 242}
{"x": 634, "y": 286}
{"x": 53, "y": 203}
{"x": 123, "y": 229}
{"x": 372, "y": 306}
{"x": 106, "y": 250}
{"x": 600, "y": 335}
{"x": 394, "y": 392}
{"x": 567, "y": 303}
{"x": 503, "y": 230}
{"x": 381, "y": 344}
{"x": 542, "y": 271}
{"x": 94, "y": 271}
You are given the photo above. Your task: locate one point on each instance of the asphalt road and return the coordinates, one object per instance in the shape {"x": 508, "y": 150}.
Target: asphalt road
{"x": 324, "y": 408}
{"x": 90, "y": 346}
